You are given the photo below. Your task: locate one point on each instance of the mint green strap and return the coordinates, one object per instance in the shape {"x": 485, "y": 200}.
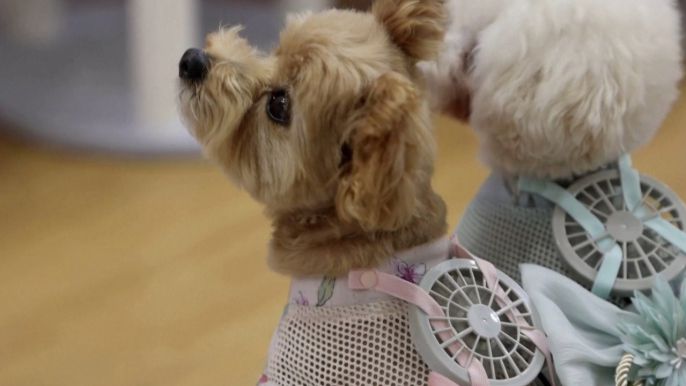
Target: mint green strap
{"x": 607, "y": 274}
{"x": 566, "y": 201}
{"x": 671, "y": 233}
{"x": 631, "y": 188}
{"x": 612, "y": 258}
{"x": 631, "y": 183}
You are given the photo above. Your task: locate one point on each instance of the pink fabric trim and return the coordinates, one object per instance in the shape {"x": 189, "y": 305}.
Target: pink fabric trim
{"x": 264, "y": 381}
{"x": 397, "y": 288}
{"x": 477, "y": 374}
{"x": 436, "y": 379}
{"x": 410, "y": 265}
{"x": 491, "y": 276}
{"x": 540, "y": 340}
{"x": 414, "y": 294}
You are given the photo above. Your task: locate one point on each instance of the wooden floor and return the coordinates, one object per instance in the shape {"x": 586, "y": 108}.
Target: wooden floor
{"x": 153, "y": 272}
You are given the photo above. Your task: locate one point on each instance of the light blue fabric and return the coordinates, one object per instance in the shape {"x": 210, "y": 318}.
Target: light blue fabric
{"x": 582, "y": 331}
{"x": 631, "y": 183}
{"x": 607, "y": 274}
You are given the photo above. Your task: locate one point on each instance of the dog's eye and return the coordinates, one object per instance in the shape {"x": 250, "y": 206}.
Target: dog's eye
{"x": 279, "y": 107}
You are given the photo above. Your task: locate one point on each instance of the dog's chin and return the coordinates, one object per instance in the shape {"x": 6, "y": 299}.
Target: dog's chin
{"x": 186, "y": 102}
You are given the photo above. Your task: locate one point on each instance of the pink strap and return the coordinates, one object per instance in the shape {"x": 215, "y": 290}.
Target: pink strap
{"x": 539, "y": 340}
{"x": 436, "y": 379}
{"x": 413, "y": 294}
{"x": 396, "y": 287}
{"x": 491, "y": 275}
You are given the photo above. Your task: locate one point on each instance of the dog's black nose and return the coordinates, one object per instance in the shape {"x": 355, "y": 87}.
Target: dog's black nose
{"x": 194, "y": 65}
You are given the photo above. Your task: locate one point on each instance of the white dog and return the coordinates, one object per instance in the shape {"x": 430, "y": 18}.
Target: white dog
{"x": 554, "y": 89}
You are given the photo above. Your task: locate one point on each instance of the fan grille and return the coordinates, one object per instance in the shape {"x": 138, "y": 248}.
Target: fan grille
{"x": 646, "y": 255}
{"x": 504, "y": 356}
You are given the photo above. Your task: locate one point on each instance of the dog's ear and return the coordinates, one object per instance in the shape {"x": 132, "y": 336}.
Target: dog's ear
{"x": 381, "y": 156}
{"x": 415, "y": 26}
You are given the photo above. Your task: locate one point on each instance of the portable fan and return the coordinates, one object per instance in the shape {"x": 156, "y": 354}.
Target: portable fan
{"x": 645, "y": 248}
{"x": 480, "y": 324}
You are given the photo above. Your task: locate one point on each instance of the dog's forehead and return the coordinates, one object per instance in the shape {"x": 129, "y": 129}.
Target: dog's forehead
{"x": 334, "y": 39}
{"x": 329, "y": 27}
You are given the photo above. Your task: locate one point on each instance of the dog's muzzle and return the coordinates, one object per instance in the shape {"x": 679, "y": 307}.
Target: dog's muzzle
{"x": 194, "y": 65}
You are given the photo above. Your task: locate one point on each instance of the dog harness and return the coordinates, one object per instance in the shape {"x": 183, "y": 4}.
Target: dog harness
{"x": 616, "y": 229}
{"x": 572, "y": 227}
{"x": 420, "y": 319}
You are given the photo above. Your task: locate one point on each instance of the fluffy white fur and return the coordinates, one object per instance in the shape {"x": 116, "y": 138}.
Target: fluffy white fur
{"x": 559, "y": 87}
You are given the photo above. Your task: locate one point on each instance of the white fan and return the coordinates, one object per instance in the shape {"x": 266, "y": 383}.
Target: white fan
{"x": 616, "y": 229}
{"x": 645, "y": 252}
{"x": 480, "y": 324}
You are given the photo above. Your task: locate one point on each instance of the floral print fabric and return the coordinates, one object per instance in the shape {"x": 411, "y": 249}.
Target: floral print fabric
{"x": 409, "y": 265}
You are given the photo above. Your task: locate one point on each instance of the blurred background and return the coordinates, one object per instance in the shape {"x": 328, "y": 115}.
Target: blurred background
{"x": 125, "y": 259}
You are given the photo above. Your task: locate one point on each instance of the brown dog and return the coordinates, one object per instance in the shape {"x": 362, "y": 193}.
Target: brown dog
{"x": 331, "y": 131}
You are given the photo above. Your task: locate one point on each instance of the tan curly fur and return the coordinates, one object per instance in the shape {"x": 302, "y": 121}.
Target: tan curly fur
{"x": 416, "y": 26}
{"x": 347, "y": 181}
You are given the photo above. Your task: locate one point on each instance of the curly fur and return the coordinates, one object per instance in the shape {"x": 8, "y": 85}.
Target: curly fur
{"x": 378, "y": 189}
{"x": 348, "y": 180}
{"x": 559, "y": 87}
{"x": 416, "y": 26}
